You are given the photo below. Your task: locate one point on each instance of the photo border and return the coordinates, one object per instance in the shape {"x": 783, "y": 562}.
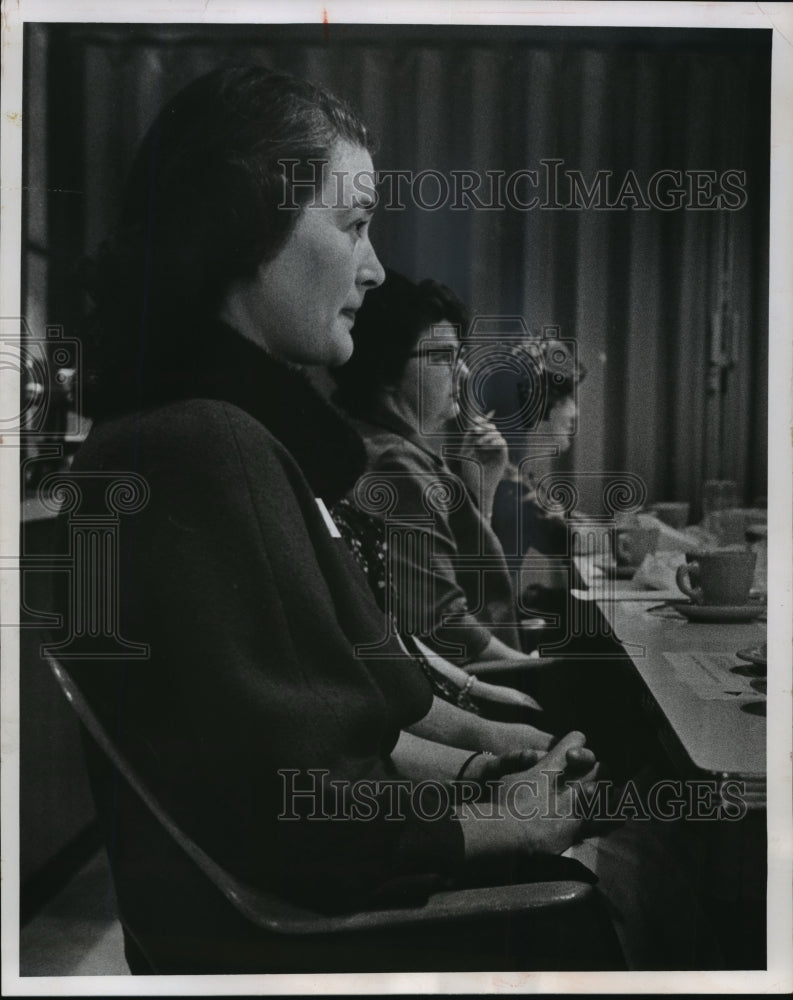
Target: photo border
{"x": 776, "y": 16}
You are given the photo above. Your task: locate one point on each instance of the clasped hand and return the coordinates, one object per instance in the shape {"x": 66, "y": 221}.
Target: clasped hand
{"x": 534, "y": 793}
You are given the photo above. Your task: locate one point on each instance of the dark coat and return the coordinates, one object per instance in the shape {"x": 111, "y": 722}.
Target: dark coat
{"x": 521, "y": 523}
{"x": 455, "y": 569}
{"x": 253, "y": 612}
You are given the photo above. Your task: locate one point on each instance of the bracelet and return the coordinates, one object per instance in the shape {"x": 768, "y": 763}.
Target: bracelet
{"x": 468, "y": 760}
{"x": 462, "y": 694}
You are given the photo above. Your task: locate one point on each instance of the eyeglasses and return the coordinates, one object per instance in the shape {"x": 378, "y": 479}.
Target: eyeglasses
{"x": 451, "y": 357}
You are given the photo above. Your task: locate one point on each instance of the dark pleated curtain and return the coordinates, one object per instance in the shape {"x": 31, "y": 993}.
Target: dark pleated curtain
{"x": 638, "y": 289}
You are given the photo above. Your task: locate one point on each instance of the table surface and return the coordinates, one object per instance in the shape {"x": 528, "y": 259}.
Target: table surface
{"x": 707, "y": 731}
{"x": 718, "y": 734}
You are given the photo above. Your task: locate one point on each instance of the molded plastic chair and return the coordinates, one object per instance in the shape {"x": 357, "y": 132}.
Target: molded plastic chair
{"x": 567, "y": 916}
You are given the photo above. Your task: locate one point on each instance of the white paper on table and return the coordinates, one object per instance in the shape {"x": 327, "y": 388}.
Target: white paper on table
{"x": 601, "y": 591}
{"x": 710, "y": 675}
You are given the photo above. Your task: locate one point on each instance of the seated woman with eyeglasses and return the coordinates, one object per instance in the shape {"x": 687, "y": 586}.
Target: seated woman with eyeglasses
{"x": 453, "y": 587}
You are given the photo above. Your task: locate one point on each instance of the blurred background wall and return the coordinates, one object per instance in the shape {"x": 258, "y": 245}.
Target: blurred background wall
{"x": 640, "y": 289}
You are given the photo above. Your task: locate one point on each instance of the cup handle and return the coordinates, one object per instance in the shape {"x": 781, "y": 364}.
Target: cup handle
{"x": 623, "y": 547}
{"x": 688, "y": 571}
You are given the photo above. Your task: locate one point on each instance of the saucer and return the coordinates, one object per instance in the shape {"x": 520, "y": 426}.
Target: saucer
{"x": 758, "y": 655}
{"x": 718, "y": 613}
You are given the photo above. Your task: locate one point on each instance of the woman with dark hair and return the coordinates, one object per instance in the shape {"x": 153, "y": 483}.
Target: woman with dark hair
{"x": 400, "y": 386}
{"x": 540, "y": 392}
{"x": 257, "y": 713}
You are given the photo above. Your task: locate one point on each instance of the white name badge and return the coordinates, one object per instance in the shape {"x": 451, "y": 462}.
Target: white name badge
{"x": 334, "y": 531}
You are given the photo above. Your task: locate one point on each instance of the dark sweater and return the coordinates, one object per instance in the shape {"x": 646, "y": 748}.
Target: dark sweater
{"x": 253, "y": 613}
